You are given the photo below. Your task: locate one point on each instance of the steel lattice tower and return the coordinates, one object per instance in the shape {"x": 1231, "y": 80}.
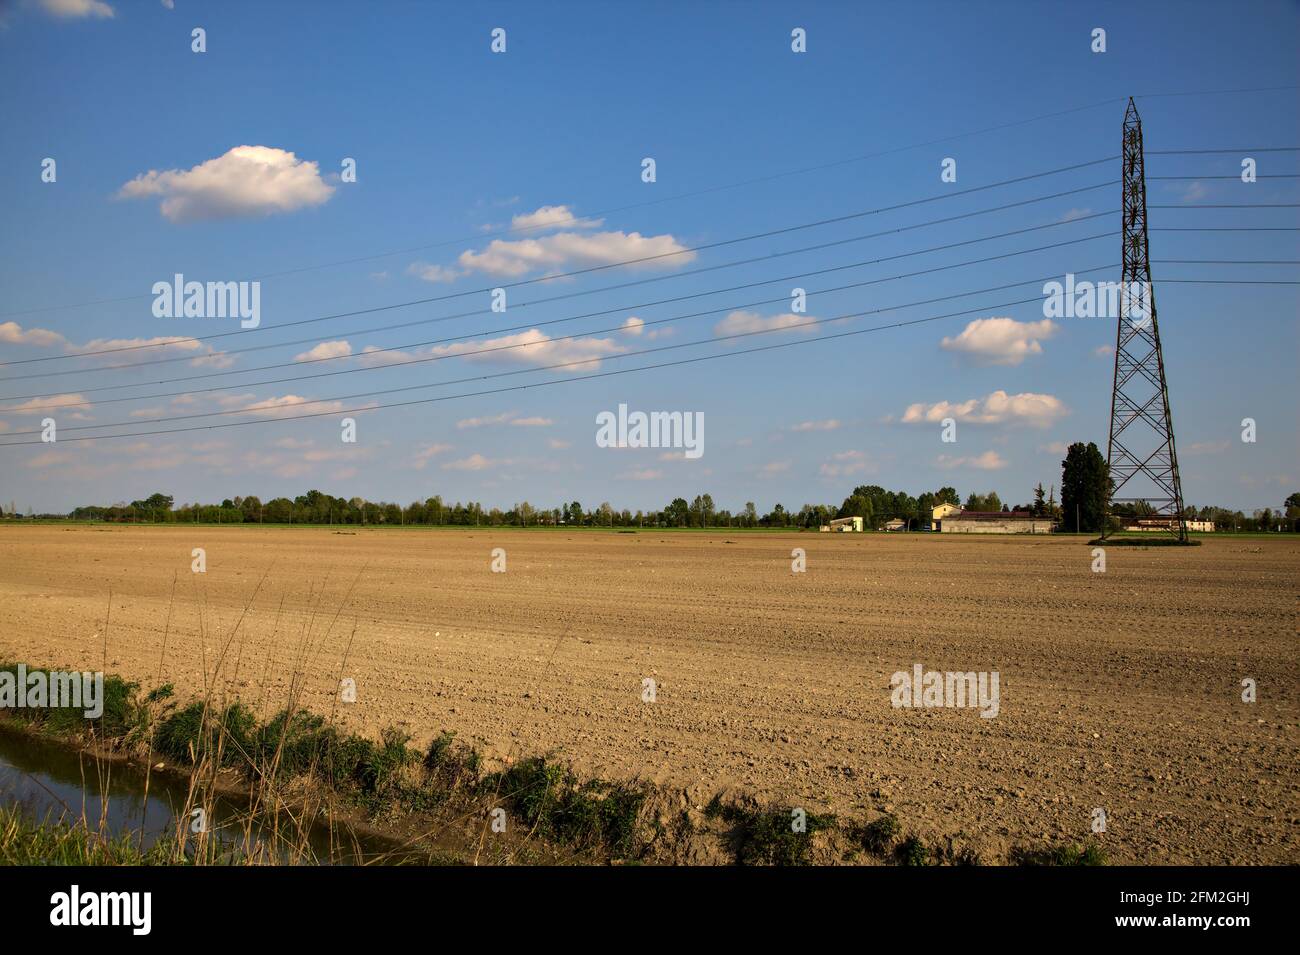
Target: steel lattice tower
{"x": 1141, "y": 457}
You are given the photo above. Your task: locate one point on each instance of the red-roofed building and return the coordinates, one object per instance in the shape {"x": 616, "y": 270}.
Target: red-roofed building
{"x": 956, "y": 520}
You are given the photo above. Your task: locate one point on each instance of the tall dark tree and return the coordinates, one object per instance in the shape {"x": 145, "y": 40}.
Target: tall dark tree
{"x": 678, "y": 513}
{"x": 1085, "y": 488}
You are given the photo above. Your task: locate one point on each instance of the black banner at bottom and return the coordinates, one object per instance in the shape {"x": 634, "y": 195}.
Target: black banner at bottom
{"x": 337, "y": 905}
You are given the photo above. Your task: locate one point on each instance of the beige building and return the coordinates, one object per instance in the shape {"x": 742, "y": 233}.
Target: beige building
{"x": 950, "y": 519}
{"x": 939, "y": 512}
{"x": 1166, "y": 524}
{"x": 843, "y": 525}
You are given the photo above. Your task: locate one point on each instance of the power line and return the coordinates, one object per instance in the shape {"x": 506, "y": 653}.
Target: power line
{"x": 173, "y": 341}
{"x": 635, "y": 261}
{"x": 538, "y": 384}
{"x": 1280, "y": 175}
{"x": 1256, "y": 89}
{"x": 1232, "y": 281}
{"x": 636, "y": 205}
{"x": 560, "y": 381}
{"x": 709, "y": 190}
{"x": 632, "y": 307}
{"x": 253, "y": 409}
{"x": 499, "y": 331}
{"x": 1226, "y": 261}
{"x": 1206, "y": 152}
{"x": 435, "y": 320}
{"x": 1227, "y": 205}
{"x": 368, "y": 394}
{"x": 1265, "y": 228}
{"x": 620, "y": 308}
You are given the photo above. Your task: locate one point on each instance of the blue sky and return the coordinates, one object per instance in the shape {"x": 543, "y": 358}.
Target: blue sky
{"x": 453, "y": 142}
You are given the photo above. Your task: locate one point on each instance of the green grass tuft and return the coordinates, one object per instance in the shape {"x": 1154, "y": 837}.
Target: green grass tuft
{"x": 1091, "y": 854}
{"x": 24, "y": 842}
{"x": 912, "y": 851}
{"x": 878, "y": 836}
{"x": 588, "y": 815}
{"x": 768, "y": 837}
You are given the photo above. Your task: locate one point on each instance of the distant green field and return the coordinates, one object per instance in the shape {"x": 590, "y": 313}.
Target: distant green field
{"x": 548, "y": 528}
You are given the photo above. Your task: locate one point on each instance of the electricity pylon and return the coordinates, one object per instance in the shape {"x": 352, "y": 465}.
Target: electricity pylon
{"x": 1142, "y": 461}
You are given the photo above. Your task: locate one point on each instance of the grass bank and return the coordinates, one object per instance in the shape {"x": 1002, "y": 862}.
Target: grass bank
{"x": 534, "y": 809}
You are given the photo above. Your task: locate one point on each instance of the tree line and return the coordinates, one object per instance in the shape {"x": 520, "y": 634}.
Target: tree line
{"x": 1085, "y": 489}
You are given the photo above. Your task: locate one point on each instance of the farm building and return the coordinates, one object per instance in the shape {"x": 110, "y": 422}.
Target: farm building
{"x": 961, "y": 521}
{"x": 1166, "y": 524}
{"x": 843, "y": 525}
{"x": 897, "y": 524}
{"x": 940, "y": 512}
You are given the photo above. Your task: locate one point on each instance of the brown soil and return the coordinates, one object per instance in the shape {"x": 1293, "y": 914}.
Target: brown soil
{"x": 1120, "y": 691}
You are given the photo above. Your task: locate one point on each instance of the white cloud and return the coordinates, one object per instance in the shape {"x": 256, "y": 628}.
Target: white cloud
{"x": 325, "y": 350}
{"x": 774, "y": 467}
{"x": 566, "y": 251}
{"x": 830, "y": 424}
{"x": 740, "y": 322}
{"x": 844, "y": 463}
{"x": 424, "y": 453}
{"x": 551, "y": 217}
{"x": 636, "y": 327}
{"x": 475, "y": 462}
{"x": 507, "y": 417}
{"x": 432, "y": 273}
{"x": 532, "y": 347}
{"x": 75, "y": 9}
{"x": 1054, "y": 447}
{"x": 1104, "y": 351}
{"x": 558, "y": 444}
{"x": 644, "y": 474}
{"x": 164, "y": 461}
{"x": 282, "y": 406}
{"x": 995, "y": 408}
{"x": 213, "y": 359}
{"x": 43, "y": 405}
{"x": 988, "y": 461}
{"x": 245, "y": 181}
{"x": 158, "y": 345}
{"x": 1073, "y": 214}
{"x": 50, "y": 458}
{"x": 1001, "y": 341}
{"x": 11, "y": 333}
{"x": 298, "y": 465}
{"x": 481, "y": 422}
